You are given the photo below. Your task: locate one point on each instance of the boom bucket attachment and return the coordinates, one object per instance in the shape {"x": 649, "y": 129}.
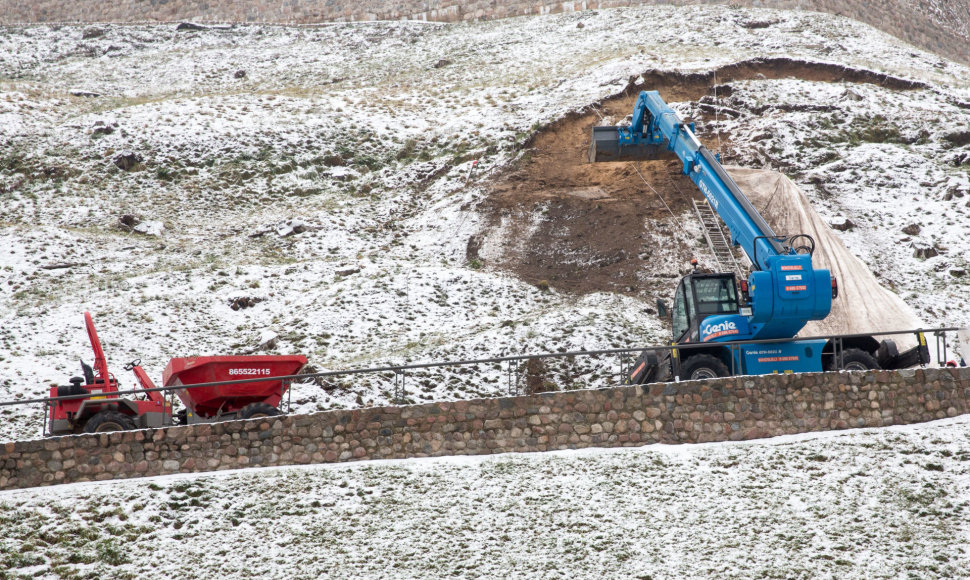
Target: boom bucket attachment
{"x": 605, "y": 146}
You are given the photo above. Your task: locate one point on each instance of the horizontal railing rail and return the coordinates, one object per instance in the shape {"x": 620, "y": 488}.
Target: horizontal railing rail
{"x": 403, "y": 368}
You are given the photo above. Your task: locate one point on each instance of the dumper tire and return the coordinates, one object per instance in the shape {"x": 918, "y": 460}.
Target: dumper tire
{"x": 854, "y": 359}
{"x": 257, "y": 410}
{"x": 107, "y": 421}
{"x": 703, "y": 366}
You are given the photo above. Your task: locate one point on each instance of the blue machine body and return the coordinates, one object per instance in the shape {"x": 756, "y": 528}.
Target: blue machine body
{"x": 797, "y": 356}
{"x": 786, "y": 291}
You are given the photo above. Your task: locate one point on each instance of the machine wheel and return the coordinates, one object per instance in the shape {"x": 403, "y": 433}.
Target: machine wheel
{"x": 106, "y": 421}
{"x": 854, "y": 359}
{"x": 256, "y": 410}
{"x": 703, "y": 366}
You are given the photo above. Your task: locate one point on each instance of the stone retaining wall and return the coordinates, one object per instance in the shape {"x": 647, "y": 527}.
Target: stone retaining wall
{"x": 690, "y": 412}
{"x": 943, "y": 30}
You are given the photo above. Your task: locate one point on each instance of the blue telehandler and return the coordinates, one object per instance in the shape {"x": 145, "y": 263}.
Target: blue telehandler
{"x": 782, "y": 293}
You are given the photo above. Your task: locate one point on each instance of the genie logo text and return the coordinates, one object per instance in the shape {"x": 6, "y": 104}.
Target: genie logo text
{"x": 716, "y": 330}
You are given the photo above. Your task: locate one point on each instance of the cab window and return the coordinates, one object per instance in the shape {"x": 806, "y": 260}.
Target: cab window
{"x": 715, "y": 296}
{"x": 680, "y": 321}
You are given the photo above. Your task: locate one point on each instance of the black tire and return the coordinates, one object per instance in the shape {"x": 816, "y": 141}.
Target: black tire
{"x": 257, "y": 410}
{"x": 854, "y": 359}
{"x": 702, "y": 366}
{"x": 107, "y": 421}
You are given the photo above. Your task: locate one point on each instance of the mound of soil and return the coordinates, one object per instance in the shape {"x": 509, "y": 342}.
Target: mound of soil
{"x": 577, "y": 226}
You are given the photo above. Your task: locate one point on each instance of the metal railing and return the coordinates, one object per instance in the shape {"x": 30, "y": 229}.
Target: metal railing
{"x": 514, "y": 371}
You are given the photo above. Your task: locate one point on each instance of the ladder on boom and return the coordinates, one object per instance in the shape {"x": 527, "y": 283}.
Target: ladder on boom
{"x": 716, "y": 239}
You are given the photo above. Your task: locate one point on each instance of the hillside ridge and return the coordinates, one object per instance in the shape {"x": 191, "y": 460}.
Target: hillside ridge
{"x": 935, "y": 25}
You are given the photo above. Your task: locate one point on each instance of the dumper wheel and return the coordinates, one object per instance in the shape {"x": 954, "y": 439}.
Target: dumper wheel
{"x": 703, "y": 366}
{"x": 854, "y": 359}
{"x": 256, "y": 410}
{"x": 106, "y": 421}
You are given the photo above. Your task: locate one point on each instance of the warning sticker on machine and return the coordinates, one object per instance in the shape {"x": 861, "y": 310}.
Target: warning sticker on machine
{"x": 791, "y": 267}
{"x": 767, "y": 359}
{"x": 795, "y": 288}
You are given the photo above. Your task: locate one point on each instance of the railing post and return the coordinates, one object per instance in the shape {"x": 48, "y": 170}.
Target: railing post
{"x": 287, "y": 386}
{"x": 619, "y": 371}
{"x": 675, "y": 364}
{"x": 940, "y": 337}
{"x": 400, "y": 376}
{"x": 508, "y": 376}
{"x": 515, "y": 383}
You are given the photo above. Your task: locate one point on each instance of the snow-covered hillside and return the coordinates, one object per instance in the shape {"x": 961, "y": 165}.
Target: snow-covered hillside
{"x": 888, "y": 503}
{"x": 330, "y": 177}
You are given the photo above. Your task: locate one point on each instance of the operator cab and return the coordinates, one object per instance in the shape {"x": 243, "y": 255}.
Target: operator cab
{"x": 699, "y": 296}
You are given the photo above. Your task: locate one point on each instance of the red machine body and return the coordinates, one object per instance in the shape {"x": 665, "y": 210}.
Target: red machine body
{"x": 102, "y": 410}
{"x": 98, "y": 408}
{"x": 230, "y": 398}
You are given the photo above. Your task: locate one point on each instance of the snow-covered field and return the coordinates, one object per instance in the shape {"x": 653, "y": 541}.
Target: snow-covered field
{"x": 366, "y": 135}
{"x": 889, "y": 503}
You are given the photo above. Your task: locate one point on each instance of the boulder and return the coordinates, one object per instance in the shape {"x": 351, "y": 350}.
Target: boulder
{"x": 844, "y": 227}
{"x": 244, "y": 302}
{"x": 149, "y": 228}
{"x": 128, "y": 222}
{"x": 851, "y": 95}
{"x": 102, "y": 128}
{"x": 291, "y": 227}
{"x": 93, "y": 32}
{"x": 924, "y": 251}
{"x": 127, "y": 160}
{"x": 267, "y": 340}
